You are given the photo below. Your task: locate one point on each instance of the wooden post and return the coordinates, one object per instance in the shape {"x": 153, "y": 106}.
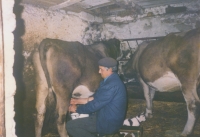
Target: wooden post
{"x": 2, "y": 94}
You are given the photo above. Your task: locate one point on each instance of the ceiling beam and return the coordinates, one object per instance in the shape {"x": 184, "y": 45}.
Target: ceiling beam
{"x": 156, "y": 3}
{"x": 101, "y": 5}
{"x": 77, "y": 8}
{"x": 64, "y": 4}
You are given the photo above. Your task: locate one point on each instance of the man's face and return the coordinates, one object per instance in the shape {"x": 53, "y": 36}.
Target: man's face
{"x": 105, "y": 72}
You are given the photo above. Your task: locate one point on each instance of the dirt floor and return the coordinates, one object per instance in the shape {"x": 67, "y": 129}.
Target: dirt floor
{"x": 168, "y": 119}
{"x": 169, "y": 115}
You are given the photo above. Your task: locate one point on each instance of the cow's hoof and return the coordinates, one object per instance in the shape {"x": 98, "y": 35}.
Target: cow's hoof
{"x": 149, "y": 115}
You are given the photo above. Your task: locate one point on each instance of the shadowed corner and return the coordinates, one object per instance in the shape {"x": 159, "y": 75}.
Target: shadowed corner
{"x": 18, "y": 68}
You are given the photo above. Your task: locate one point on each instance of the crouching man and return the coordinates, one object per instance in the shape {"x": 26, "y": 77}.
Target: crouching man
{"x": 107, "y": 107}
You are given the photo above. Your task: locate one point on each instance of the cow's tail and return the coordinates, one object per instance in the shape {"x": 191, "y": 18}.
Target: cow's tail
{"x": 43, "y": 48}
{"x": 51, "y": 99}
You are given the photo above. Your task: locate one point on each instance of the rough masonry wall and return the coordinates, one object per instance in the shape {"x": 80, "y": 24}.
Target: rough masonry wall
{"x": 154, "y": 22}
{"x": 41, "y": 23}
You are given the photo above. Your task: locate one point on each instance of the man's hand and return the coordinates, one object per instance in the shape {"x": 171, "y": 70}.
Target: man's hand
{"x": 72, "y": 108}
{"x": 78, "y": 101}
{"x": 75, "y": 101}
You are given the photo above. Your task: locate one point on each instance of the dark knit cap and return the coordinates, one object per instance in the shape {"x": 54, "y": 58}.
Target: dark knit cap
{"x": 107, "y": 62}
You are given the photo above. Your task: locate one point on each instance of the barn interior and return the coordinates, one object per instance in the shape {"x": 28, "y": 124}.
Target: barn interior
{"x": 89, "y": 21}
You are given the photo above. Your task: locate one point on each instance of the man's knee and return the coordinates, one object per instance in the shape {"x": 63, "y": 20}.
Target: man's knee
{"x": 69, "y": 124}
{"x": 73, "y": 124}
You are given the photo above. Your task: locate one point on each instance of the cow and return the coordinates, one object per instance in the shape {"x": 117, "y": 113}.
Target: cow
{"x": 66, "y": 69}
{"x": 169, "y": 64}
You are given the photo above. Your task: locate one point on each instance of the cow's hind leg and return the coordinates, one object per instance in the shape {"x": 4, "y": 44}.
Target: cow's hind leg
{"x": 40, "y": 110}
{"x": 149, "y": 95}
{"x": 41, "y": 94}
{"x": 193, "y": 108}
{"x": 62, "y": 108}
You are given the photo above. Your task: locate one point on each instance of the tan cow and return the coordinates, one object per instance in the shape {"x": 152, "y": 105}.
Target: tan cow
{"x": 67, "y": 69}
{"x": 170, "y": 64}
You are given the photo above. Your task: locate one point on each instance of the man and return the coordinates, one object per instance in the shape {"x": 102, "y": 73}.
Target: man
{"x": 107, "y": 107}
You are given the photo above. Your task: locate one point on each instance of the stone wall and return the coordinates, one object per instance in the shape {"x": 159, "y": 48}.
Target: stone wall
{"x": 42, "y": 23}
{"x": 153, "y": 22}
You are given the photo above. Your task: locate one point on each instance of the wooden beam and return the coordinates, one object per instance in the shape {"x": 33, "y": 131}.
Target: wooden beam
{"x": 76, "y": 8}
{"x": 157, "y": 3}
{"x": 64, "y": 4}
{"x": 146, "y": 38}
{"x": 101, "y": 5}
{"x": 2, "y": 93}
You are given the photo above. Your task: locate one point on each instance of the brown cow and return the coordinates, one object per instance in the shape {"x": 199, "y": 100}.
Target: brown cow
{"x": 67, "y": 69}
{"x": 170, "y": 64}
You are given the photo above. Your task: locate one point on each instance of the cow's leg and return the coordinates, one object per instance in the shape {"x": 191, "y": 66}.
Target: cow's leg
{"x": 193, "y": 107}
{"x": 41, "y": 95}
{"x": 149, "y": 95}
{"x": 62, "y": 108}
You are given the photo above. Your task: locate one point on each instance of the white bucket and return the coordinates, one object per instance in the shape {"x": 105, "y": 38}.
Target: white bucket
{"x": 77, "y": 115}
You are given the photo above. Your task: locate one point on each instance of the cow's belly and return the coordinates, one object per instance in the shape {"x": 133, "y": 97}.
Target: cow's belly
{"x": 168, "y": 82}
{"x": 81, "y": 91}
